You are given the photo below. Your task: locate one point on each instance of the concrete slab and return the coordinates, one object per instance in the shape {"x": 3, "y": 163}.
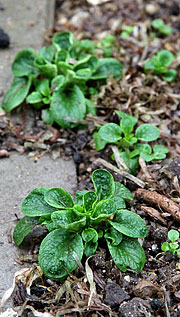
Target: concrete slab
{"x": 18, "y": 176}
{"x": 26, "y": 23}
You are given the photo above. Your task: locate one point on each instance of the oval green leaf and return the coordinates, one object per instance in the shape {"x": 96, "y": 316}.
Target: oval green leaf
{"x": 110, "y": 132}
{"x": 59, "y": 198}
{"x": 58, "y": 253}
{"x": 23, "y": 64}
{"x": 147, "y": 132}
{"x": 128, "y": 253}
{"x": 24, "y": 226}
{"x": 108, "y": 67}
{"x": 103, "y": 183}
{"x": 129, "y": 223}
{"x": 35, "y": 205}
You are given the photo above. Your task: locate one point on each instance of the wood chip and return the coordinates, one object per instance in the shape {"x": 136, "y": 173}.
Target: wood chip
{"x": 154, "y": 213}
{"x": 159, "y": 200}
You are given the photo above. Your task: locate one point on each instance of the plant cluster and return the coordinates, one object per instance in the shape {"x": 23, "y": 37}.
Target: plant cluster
{"x": 158, "y": 65}
{"x": 60, "y": 79}
{"x": 127, "y": 30}
{"x": 107, "y": 45}
{"x": 161, "y": 28}
{"x": 173, "y": 245}
{"x": 76, "y": 227}
{"x": 128, "y": 143}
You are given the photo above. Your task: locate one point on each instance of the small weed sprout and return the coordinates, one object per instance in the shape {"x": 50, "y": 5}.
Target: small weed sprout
{"x": 173, "y": 245}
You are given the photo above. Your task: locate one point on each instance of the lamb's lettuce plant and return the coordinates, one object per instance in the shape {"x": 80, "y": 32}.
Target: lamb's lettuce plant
{"x": 161, "y": 28}
{"x": 173, "y": 245}
{"x": 127, "y": 30}
{"x": 129, "y": 143}
{"x": 59, "y": 79}
{"x": 158, "y": 65}
{"x": 75, "y": 227}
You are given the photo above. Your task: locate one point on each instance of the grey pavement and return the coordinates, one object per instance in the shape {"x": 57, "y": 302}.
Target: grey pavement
{"x": 26, "y": 22}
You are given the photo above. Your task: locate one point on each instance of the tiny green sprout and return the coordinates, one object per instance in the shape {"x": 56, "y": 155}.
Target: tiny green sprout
{"x": 126, "y": 31}
{"x": 75, "y": 227}
{"x": 173, "y": 246}
{"x": 158, "y": 65}
{"x": 129, "y": 143}
{"x": 107, "y": 45}
{"x": 162, "y": 28}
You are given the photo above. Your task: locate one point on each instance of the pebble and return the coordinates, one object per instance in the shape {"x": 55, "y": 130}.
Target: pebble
{"x": 151, "y": 9}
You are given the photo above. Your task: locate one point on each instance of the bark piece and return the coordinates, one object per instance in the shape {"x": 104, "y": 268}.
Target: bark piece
{"x": 146, "y": 289}
{"x": 154, "y": 213}
{"x": 159, "y": 200}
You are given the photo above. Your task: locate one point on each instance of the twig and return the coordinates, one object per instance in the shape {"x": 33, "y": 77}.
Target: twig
{"x": 159, "y": 200}
{"x": 134, "y": 179}
{"x": 165, "y": 302}
{"x": 119, "y": 161}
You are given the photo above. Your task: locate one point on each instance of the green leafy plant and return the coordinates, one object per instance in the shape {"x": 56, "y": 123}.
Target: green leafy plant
{"x": 158, "y": 64}
{"x": 76, "y": 227}
{"x": 173, "y": 245}
{"x": 126, "y": 31}
{"x": 128, "y": 143}
{"x": 108, "y": 45}
{"x": 59, "y": 79}
{"x": 162, "y": 28}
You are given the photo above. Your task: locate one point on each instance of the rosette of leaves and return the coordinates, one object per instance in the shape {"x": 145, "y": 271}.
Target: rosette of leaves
{"x": 59, "y": 79}
{"x": 158, "y": 65}
{"x": 161, "y": 28}
{"x": 129, "y": 143}
{"x": 75, "y": 227}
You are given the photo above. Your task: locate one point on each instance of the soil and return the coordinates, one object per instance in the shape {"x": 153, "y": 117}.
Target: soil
{"x": 156, "y": 290}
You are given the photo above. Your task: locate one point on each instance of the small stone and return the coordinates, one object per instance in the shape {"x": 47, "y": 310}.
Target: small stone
{"x": 151, "y": 9}
{"x": 115, "y": 295}
{"x": 127, "y": 278}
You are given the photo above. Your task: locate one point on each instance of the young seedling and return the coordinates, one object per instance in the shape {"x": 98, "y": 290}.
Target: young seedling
{"x": 161, "y": 28}
{"x": 158, "y": 65}
{"x": 107, "y": 45}
{"x": 129, "y": 143}
{"x": 173, "y": 245}
{"x": 59, "y": 79}
{"x": 75, "y": 227}
{"x": 126, "y": 31}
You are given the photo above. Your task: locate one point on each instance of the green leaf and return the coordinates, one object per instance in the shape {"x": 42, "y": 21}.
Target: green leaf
{"x": 90, "y": 248}
{"x": 88, "y": 200}
{"x": 61, "y": 56}
{"x": 103, "y": 210}
{"x": 89, "y": 62}
{"x": 108, "y": 67}
{"x": 57, "y": 82}
{"x": 127, "y": 126}
{"x": 165, "y": 246}
{"x": 63, "y": 40}
{"x": 173, "y": 235}
{"x": 165, "y": 30}
{"x": 47, "y": 69}
{"x": 17, "y": 93}
{"x": 68, "y": 220}
{"x": 47, "y": 52}
{"x": 68, "y": 106}
{"x": 147, "y": 132}
{"x": 124, "y": 115}
{"x": 90, "y": 107}
{"x": 157, "y": 23}
{"x": 24, "y": 226}
{"x": 79, "y": 197}
{"x": 23, "y": 64}
{"x": 34, "y": 97}
{"x": 178, "y": 253}
{"x": 120, "y": 203}
{"x": 114, "y": 236}
{"x": 90, "y": 234}
{"x": 128, "y": 253}
{"x": 58, "y": 253}
{"x": 160, "y": 152}
{"x": 42, "y": 86}
{"x": 47, "y": 116}
{"x": 59, "y": 198}
{"x": 132, "y": 163}
{"x": 110, "y": 132}
{"x": 122, "y": 191}
{"x": 35, "y": 205}
{"x": 170, "y": 75}
{"x": 129, "y": 223}
{"x": 165, "y": 57}
{"x": 100, "y": 143}
{"x": 150, "y": 64}
{"x": 103, "y": 183}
